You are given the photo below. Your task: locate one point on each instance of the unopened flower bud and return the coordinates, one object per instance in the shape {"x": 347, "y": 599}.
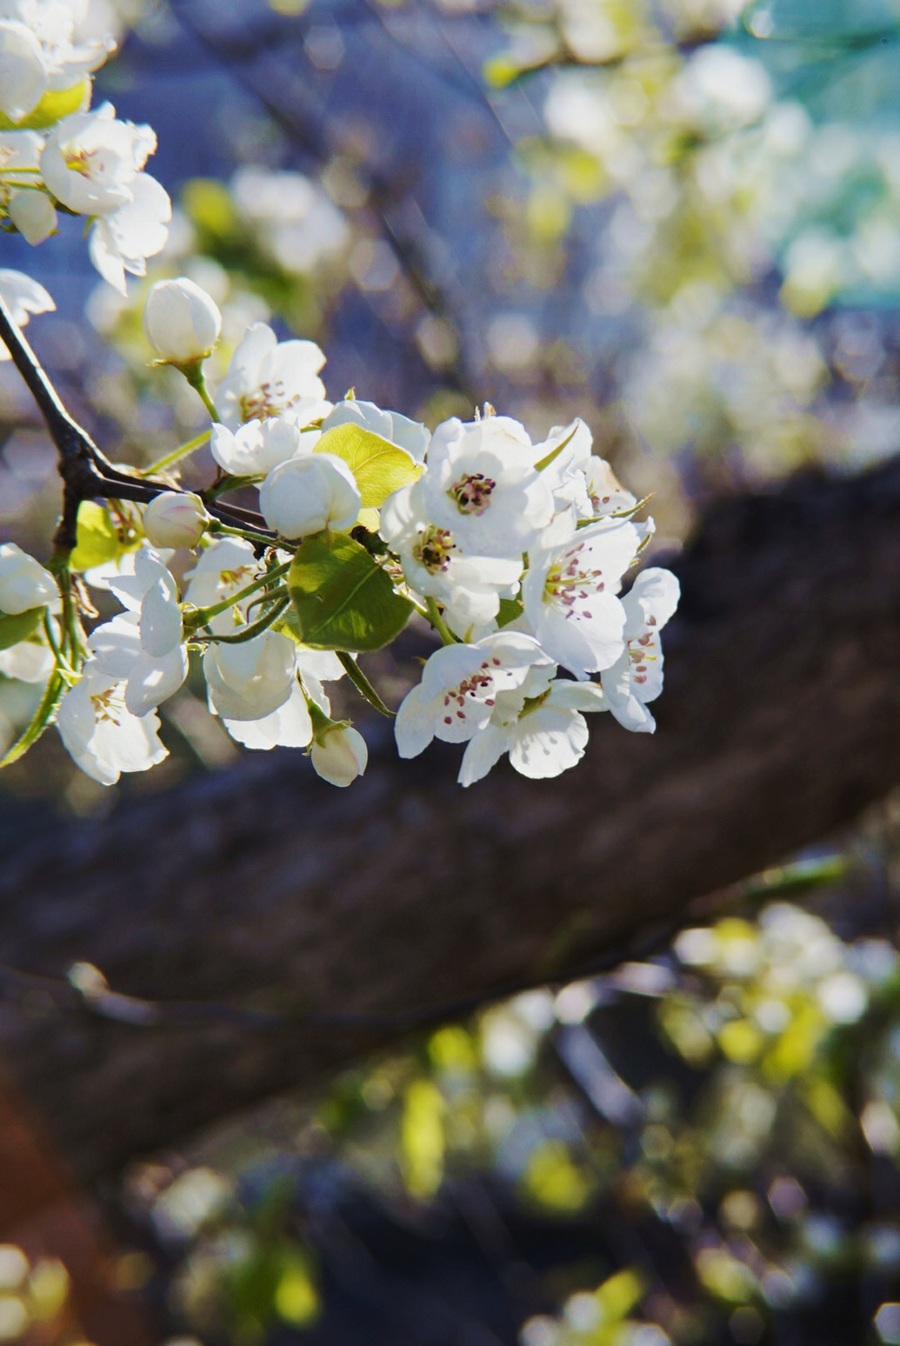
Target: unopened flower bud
{"x": 181, "y": 322}
{"x": 175, "y": 519}
{"x": 308, "y": 494}
{"x": 24, "y": 583}
{"x": 339, "y": 754}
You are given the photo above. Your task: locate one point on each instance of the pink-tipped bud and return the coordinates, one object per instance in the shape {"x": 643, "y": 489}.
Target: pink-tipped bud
{"x": 175, "y": 519}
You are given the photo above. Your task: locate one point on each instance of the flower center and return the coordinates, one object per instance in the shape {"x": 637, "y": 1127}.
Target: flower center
{"x": 238, "y": 575}
{"x": 472, "y": 493}
{"x": 433, "y": 548}
{"x": 269, "y": 399}
{"x": 641, "y": 652}
{"x": 570, "y": 584}
{"x": 474, "y": 686}
{"x": 109, "y": 706}
{"x": 79, "y": 160}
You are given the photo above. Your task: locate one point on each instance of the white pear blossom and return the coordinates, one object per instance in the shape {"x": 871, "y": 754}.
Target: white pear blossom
{"x": 123, "y": 240}
{"x": 59, "y": 50}
{"x": 390, "y": 425}
{"x": 225, "y": 567}
{"x": 148, "y": 679}
{"x": 24, "y": 583}
{"x": 540, "y": 724}
{"x": 606, "y": 493}
{"x": 20, "y": 149}
{"x": 308, "y": 494}
{"x": 637, "y": 676}
{"x": 22, "y": 296}
{"x": 181, "y": 322}
{"x": 339, "y": 754}
{"x": 460, "y": 684}
{"x": 30, "y": 208}
{"x": 91, "y": 160}
{"x": 175, "y": 519}
{"x": 469, "y": 587}
{"x": 143, "y": 648}
{"x": 256, "y": 448}
{"x": 23, "y": 75}
{"x": 101, "y": 733}
{"x": 581, "y": 481}
{"x": 569, "y": 592}
{"x": 271, "y": 378}
{"x": 249, "y": 680}
{"x": 289, "y": 726}
{"x": 481, "y": 484}
{"x": 29, "y": 661}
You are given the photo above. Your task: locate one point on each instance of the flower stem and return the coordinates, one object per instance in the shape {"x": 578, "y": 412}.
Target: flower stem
{"x": 437, "y": 621}
{"x": 176, "y": 455}
{"x": 194, "y": 375}
{"x": 217, "y": 528}
{"x": 62, "y": 663}
{"x": 202, "y": 616}
{"x": 252, "y": 629}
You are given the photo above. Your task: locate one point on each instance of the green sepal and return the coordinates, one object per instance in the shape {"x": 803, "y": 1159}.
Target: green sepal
{"x": 510, "y": 609}
{"x": 362, "y": 684}
{"x": 554, "y": 453}
{"x": 380, "y": 467}
{"x": 343, "y": 599}
{"x": 54, "y": 105}
{"x": 18, "y": 626}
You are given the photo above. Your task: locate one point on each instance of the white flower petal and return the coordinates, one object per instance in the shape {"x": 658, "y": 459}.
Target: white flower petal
{"x": 289, "y": 726}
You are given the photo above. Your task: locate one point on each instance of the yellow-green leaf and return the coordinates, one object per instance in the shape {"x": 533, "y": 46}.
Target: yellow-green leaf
{"x": 55, "y": 105}
{"x": 97, "y": 540}
{"x": 210, "y": 207}
{"x": 296, "y": 1297}
{"x": 380, "y": 467}
{"x": 621, "y": 1293}
{"x": 422, "y": 1141}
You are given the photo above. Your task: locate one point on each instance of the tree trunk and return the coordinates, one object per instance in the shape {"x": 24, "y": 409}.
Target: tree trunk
{"x": 334, "y": 920}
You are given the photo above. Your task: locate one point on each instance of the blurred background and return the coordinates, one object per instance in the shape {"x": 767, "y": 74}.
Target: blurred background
{"x": 680, "y": 220}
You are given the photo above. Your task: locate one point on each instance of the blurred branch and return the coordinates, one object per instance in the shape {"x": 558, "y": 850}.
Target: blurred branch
{"x": 338, "y": 920}
{"x": 309, "y": 133}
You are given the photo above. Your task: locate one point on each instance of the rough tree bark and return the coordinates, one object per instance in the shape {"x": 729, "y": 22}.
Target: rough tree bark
{"x": 264, "y": 888}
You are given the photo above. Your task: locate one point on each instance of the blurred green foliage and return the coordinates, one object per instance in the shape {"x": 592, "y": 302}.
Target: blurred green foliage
{"x": 732, "y": 1105}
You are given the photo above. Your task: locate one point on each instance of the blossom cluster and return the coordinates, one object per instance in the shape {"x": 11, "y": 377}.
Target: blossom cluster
{"x": 515, "y": 552}
{"x": 57, "y": 154}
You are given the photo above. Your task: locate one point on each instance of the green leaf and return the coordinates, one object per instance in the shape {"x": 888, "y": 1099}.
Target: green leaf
{"x": 53, "y": 106}
{"x": 96, "y": 539}
{"x": 380, "y": 468}
{"x": 343, "y": 599}
{"x": 18, "y": 626}
{"x": 422, "y": 1138}
{"x": 210, "y": 207}
{"x": 296, "y": 1298}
